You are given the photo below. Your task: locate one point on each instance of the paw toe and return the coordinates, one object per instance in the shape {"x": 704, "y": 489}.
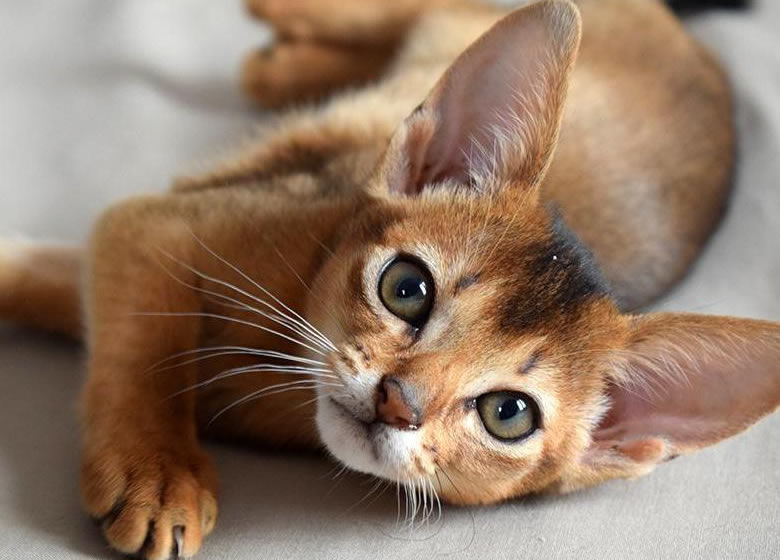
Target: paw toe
{"x": 208, "y": 512}
{"x": 128, "y": 532}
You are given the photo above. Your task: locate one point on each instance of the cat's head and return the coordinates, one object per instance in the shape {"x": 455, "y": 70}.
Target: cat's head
{"x": 478, "y": 347}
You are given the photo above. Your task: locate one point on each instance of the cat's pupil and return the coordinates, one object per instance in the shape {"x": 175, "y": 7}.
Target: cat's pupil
{"x": 508, "y": 409}
{"x": 409, "y": 288}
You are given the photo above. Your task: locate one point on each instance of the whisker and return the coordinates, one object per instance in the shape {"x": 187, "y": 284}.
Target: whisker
{"x": 415, "y": 504}
{"x": 385, "y": 485}
{"x": 317, "y": 372}
{"x": 436, "y": 494}
{"x": 341, "y": 471}
{"x": 304, "y": 284}
{"x": 376, "y": 486}
{"x": 228, "y": 319}
{"x": 408, "y": 504}
{"x": 337, "y": 480}
{"x": 267, "y": 391}
{"x": 305, "y": 403}
{"x": 471, "y": 513}
{"x": 280, "y": 318}
{"x": 335, "y": 471}
{"x": 424, "y": 492}
{"x": 227, "y": 351}
{"x": 259, "y": 368}
{"x": 418, "y": 500}
{"x": 428, "y": 501}
{"x": 320, "y": 243}
{"x": 306, "y": 323}
{"x": 398, "y": 494}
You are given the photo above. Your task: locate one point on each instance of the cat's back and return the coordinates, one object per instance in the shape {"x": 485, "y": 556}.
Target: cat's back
{"x": 645, "y": 156}
{"x": 643, "y": 167}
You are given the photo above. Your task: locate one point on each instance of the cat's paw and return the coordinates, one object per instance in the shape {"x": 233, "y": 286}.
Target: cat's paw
{"x": 289, "y": 72}
{"x": 153, "y": 503}
{"x": 271, "y": 76}
{"x": 344, "y": 22}
{"x": 293, "y": 71}
{"x": 289, "y": 19}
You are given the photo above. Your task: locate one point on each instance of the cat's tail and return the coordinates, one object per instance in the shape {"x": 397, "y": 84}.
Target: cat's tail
{"x": 40, "y": 286}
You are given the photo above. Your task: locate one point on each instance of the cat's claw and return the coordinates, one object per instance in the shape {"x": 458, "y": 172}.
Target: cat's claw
{"x": 165, "y": 503}
{"x": 178, "y": 537}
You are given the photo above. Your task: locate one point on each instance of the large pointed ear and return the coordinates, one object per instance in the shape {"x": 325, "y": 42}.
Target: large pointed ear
{"x": 684, "y": 382}
{"x": 496, "y": 111}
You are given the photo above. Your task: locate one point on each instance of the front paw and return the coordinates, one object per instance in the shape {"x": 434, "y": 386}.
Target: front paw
{"x": 154, "y": 502}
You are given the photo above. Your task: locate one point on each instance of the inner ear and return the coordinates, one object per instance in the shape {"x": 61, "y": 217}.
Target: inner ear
{"x": 496, "y": 112}
{"x": 685, "y": 382}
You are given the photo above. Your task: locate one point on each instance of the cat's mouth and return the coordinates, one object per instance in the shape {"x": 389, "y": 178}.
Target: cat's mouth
{"x": 369, "y": 446}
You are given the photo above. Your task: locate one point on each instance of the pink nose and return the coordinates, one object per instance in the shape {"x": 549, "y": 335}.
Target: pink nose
{"x": 394, "y": 405}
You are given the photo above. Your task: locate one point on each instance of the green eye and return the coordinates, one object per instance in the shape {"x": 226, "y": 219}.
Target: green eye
{"x": 406, "y": 289}
{"x": 507, "y": 415}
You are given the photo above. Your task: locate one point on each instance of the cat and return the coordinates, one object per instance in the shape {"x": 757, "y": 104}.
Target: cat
{"x": 434, "y": 276}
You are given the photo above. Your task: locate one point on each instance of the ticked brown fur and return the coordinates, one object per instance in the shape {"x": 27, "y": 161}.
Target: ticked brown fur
{"x": 564, "y": 169}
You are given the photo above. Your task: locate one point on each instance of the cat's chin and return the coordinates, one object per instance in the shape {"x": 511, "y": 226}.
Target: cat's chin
{"x": 370, "y": 448}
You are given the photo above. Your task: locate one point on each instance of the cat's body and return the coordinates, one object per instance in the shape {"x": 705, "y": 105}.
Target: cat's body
{"x": 643, "y": 206}
{"x": 308, "y": 220}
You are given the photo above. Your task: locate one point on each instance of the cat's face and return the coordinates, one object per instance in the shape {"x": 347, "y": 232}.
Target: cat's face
{"x": 476, "y": 347}
{"x": 465, "y": 318}
{"x": 486, "y": 319}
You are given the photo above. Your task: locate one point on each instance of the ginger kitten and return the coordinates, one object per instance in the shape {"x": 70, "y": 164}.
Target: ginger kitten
{"x": 436, "y": 271}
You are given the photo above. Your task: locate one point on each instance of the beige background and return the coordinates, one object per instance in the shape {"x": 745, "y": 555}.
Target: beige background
{"x": 101, "y": 99}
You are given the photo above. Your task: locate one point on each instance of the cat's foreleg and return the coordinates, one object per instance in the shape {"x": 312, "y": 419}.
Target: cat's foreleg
{"x": 144, "y": 474}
